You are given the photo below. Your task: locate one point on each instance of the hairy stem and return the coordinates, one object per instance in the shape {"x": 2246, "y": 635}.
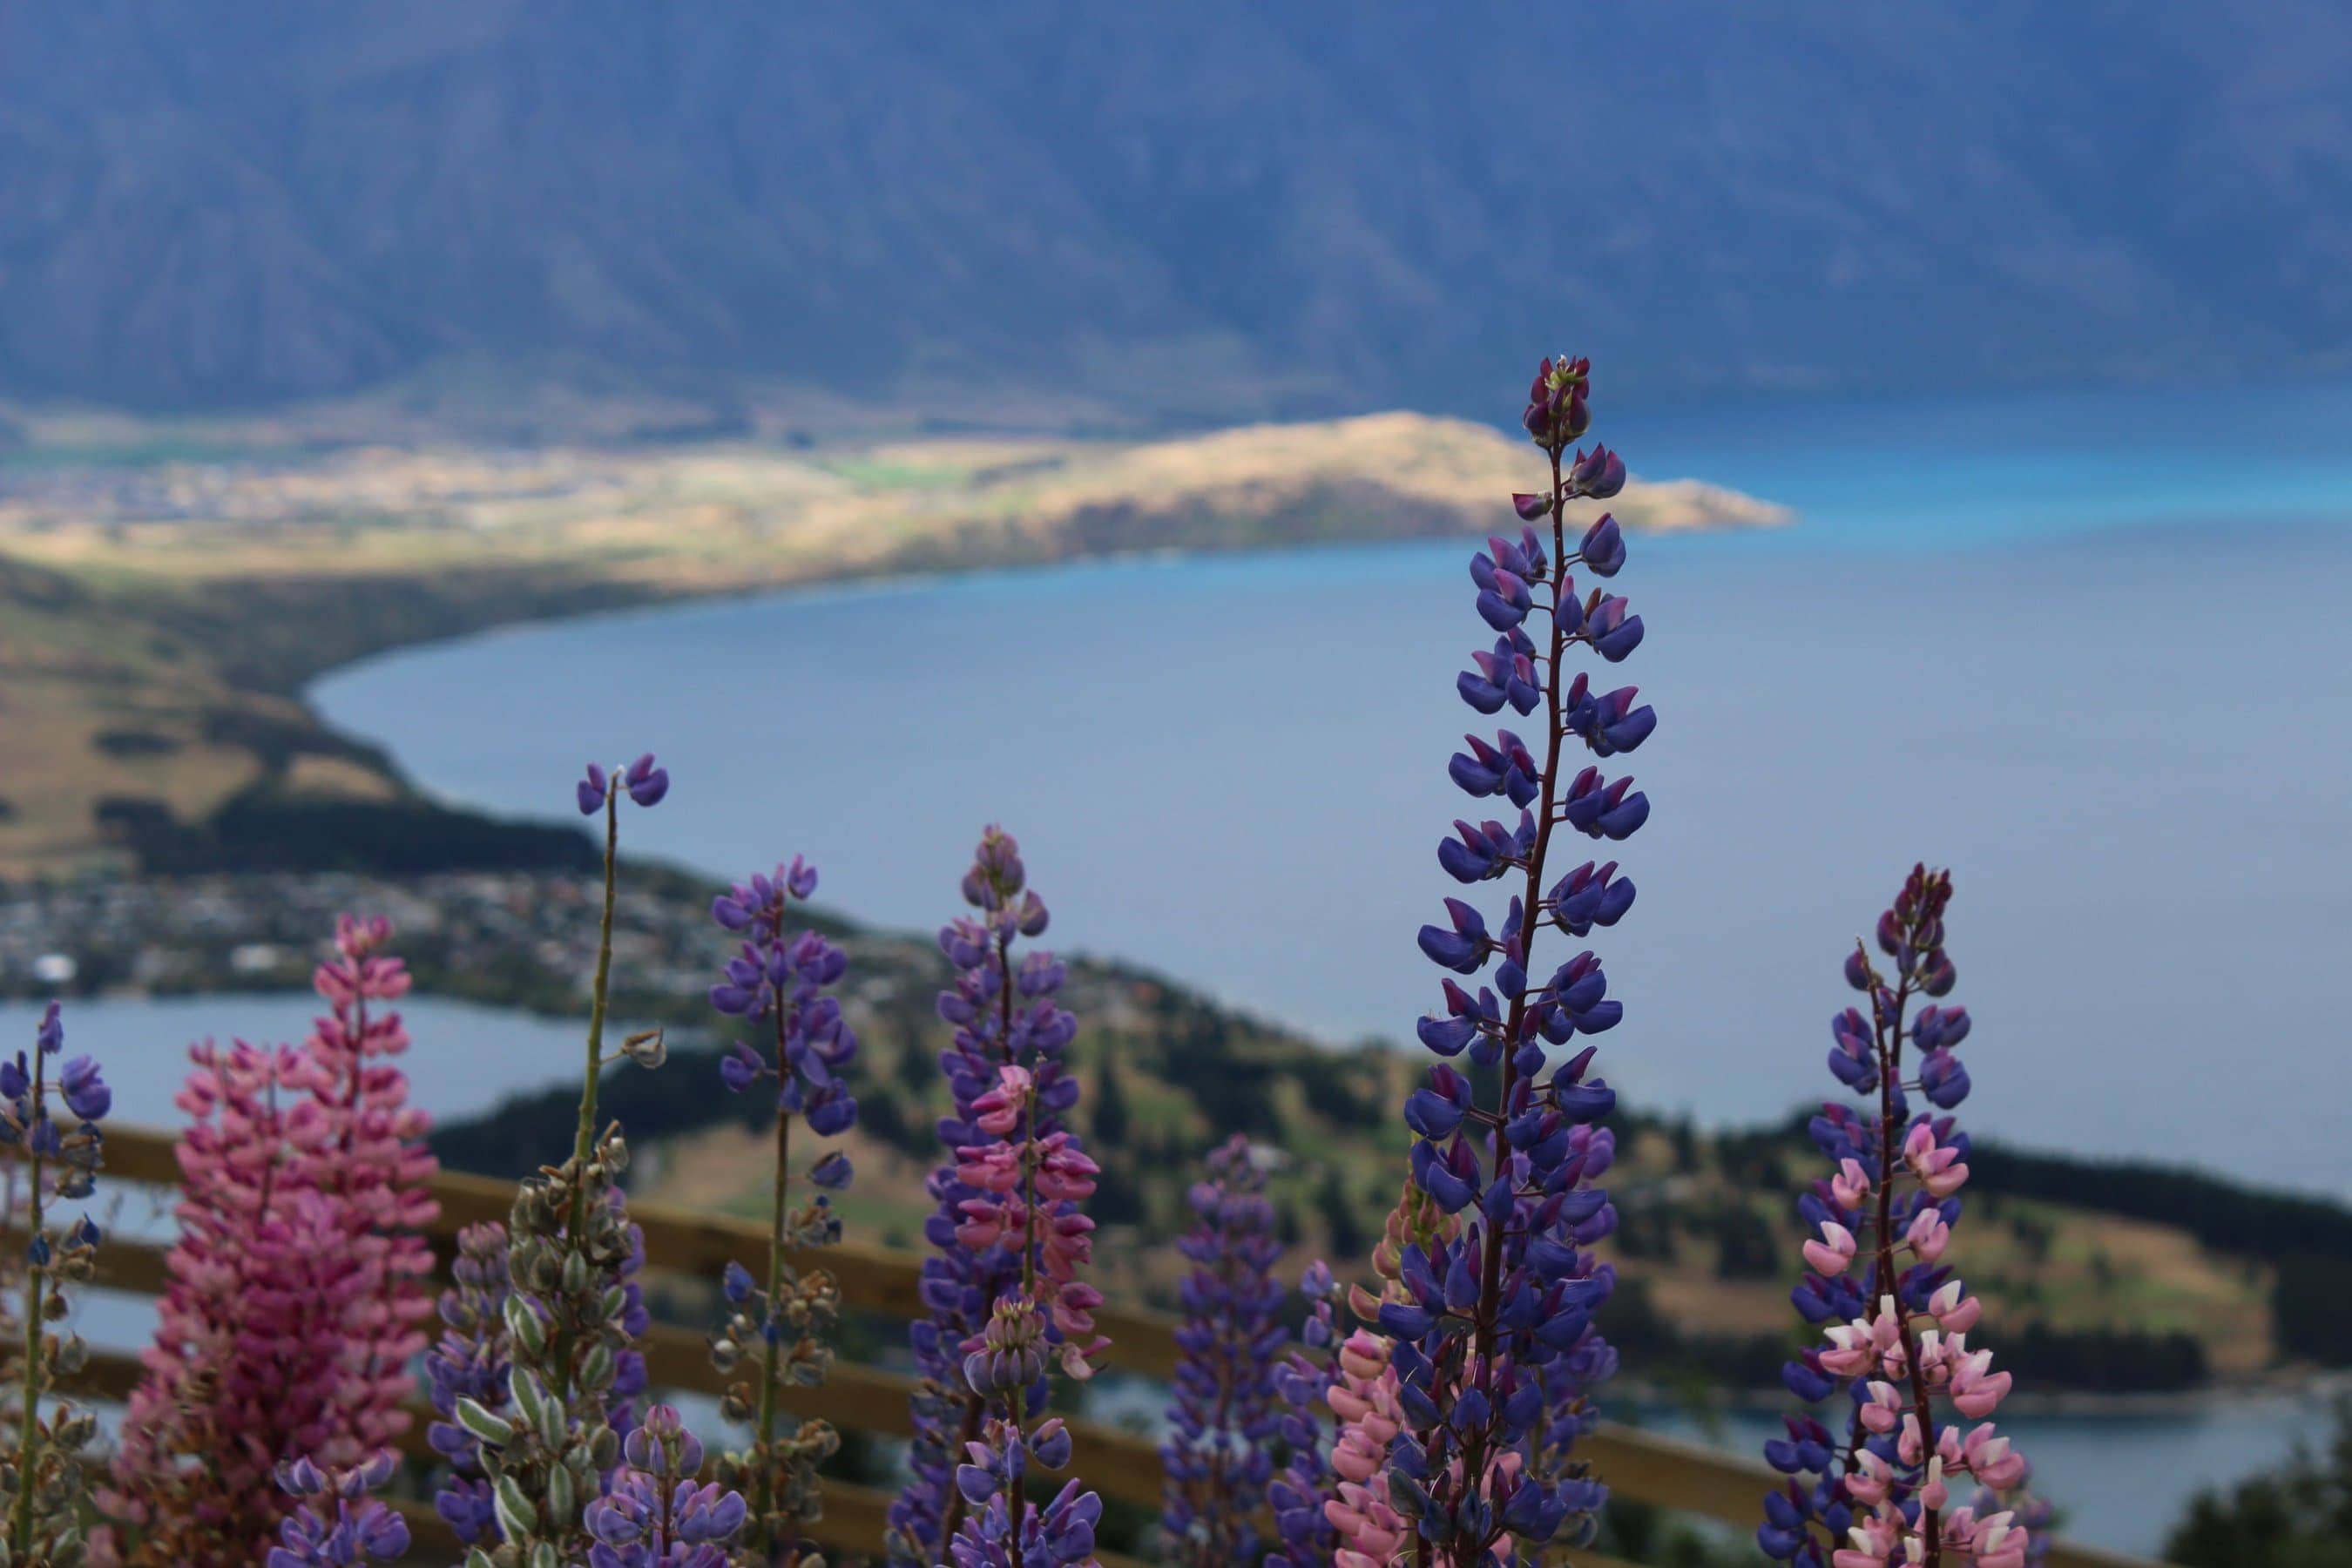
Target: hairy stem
{"x": 763, "y": 1489}
{"x": 584, "y": 1135}
{"x": 584, "y": 1142}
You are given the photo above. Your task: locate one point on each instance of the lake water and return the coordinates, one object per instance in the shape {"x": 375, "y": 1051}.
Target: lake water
{"x": 2128, "y": 738}
{"x": 463, "y": 1058}
{"x": 2120, "y": 1480}
{"x": 2092, "y": 651}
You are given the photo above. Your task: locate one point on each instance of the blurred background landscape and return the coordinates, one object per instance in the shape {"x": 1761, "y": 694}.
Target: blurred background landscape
{"x": 904, "y": 417}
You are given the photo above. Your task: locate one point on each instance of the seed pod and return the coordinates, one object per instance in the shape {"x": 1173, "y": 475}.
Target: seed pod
{"x": 517, "y": 1515}
{"x": 524, "y": 1326}
{"x": 560, "y": 1496}
{"x": 495, "y": 1430}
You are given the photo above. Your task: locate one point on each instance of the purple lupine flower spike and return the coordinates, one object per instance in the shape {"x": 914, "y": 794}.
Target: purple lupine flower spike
{"x": 1305, "y": 1536}
{"x": 998, "y": 1266}
{"x": 1490, "y": 1320}
{"x": 776, "y": 984}
{"x": 1877, "y": 1481}
{"x": 1222, "y": 1420}
{"x": 573, "y": 1308}
{"x": 470, "y": 1362}
{"x": 61, "y": 1160}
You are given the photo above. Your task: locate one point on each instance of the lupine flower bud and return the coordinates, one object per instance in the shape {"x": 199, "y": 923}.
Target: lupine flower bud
{"x": 1598, "y": 476}
{"x": 1602, "y": 548}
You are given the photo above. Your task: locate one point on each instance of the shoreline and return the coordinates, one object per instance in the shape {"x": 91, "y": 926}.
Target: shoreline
{"x": 217, "y": 598}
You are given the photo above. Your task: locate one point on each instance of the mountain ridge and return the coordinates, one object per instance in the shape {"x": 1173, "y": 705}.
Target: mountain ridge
{"x": 1235, "y": 212}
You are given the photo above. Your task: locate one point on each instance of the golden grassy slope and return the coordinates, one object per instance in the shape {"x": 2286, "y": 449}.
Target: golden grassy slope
{"x": 161, "y": 584}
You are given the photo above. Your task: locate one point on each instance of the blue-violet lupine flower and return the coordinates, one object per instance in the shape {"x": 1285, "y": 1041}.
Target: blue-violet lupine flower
{"x": 1303, "y": 1535}
{"x": 573, "y": 1309}
{"x": 1489, "y": 1318}
{"x": 644, "y": 782}
{"x": 776, "y": 985}
{"x": 1002, "y": 1531}
{"x": 339, "y": 1523}
{"x": 1222, "y": 1420}
{"x": 653, "y": 1514}
{"x": 998, "y": 1527}
{"x": 1879, "y": 1488}
{"x": 470, "y": 1362}
{"x": 47, "y": 1436}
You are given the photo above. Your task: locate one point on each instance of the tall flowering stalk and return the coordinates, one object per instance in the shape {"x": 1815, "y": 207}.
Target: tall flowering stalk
{"x": 41, "y": 1485}
{"x": 1008, "y": 1239}
{"x": 571, "y": 1309}
{"x": 376, "y": 1171}
{"x": 776, "y": 985}
{"x": 247, "y": 1353}
{"x": 1492, "y": 1344}
{"x": 295, "y": 1293}
{"x": 1881, "y": 1489}
{"x": 1223, "y": 1419}
{"x": 1303, "y": 1535}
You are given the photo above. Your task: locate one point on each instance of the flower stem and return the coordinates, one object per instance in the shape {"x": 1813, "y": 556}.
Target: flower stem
{"x": 975, "y": 1408}
{"x": 584, "y": 1138}
{"x": 28, "y": 1433}
{"x": 584, "y": 1142}
{"x": 1883, "y": 1289}
{"x": 1490, "y": 1271}
{"x": 763, "y": 1489}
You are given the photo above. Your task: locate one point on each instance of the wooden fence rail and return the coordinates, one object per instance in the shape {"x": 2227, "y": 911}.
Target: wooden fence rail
{"x": 1119, "y": 1463}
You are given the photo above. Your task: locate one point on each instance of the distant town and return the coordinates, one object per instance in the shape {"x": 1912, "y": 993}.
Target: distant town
{"x": 499, "y": 936}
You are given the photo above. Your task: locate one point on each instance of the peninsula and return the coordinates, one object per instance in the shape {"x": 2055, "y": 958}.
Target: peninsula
{"x": 165, "y": 601}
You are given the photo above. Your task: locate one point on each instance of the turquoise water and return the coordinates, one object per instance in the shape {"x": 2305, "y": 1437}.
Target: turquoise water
{"x": 1988, "y": 470}
{"x": 2128, "y": 739}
